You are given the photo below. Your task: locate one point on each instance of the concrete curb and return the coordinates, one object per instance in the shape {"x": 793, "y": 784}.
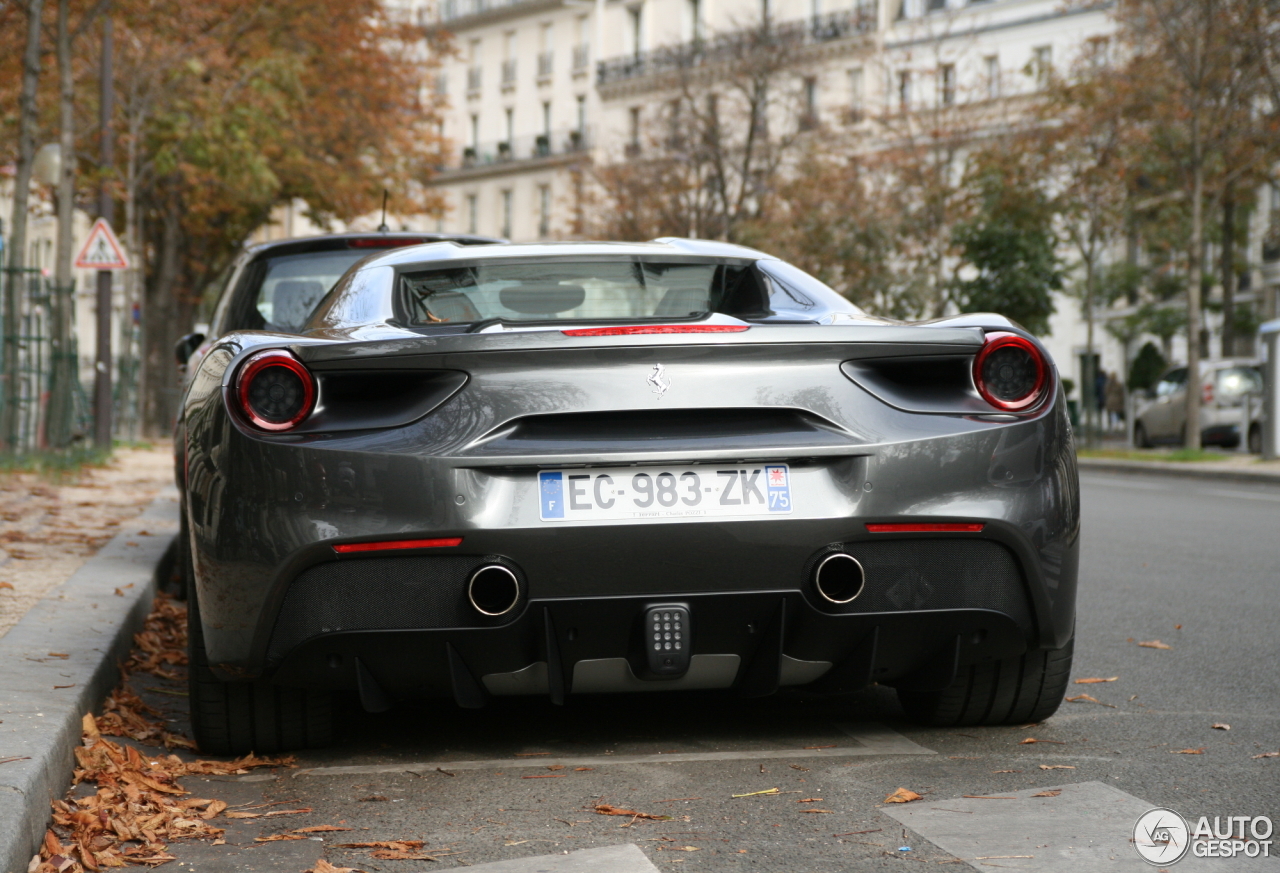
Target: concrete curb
{"x": 1190, "y": 470}
{"x": 85, "y": 619}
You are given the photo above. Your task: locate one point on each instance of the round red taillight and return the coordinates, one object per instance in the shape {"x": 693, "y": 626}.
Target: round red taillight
{"x": 276, "y": 392}
{"x": 1010, "y": 372}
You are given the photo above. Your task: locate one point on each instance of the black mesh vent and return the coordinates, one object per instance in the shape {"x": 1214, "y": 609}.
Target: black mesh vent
{"x": 913, "y": 574}
{"x": 382, "y": 594}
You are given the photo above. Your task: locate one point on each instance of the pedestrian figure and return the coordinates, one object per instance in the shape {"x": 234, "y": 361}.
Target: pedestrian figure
{"x": 1114, "y": 401}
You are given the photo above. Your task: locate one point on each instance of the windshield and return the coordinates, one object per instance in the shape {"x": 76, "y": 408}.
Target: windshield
{"x": 547, "y": 290}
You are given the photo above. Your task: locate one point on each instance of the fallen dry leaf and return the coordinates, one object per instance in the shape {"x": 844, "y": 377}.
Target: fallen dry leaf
{"x": 1057, "y": 767}
{"x": 213, "y": 809}
{"x": 1093, "y": 680}
{"x": 827, "y": 811}
{"x": 758, "y": 793}
{"x": 903, "y": 795}
{"x": 272, "y": 838}
{"x": 1088, "y": 698}
{"x": 809, "y": 800}
{"x": 1009, "y": 771}
{"x": 1155, "y": 644}
{"x": 7, "y": 585}
{"x": 397, "y": 855}
{"x": 606, "y": 809}
{"x": 1054, "y": 793}
{"x": 582, "y": 769}
{"x": 62, "y": 655}
{"x": 1034, "y": 740}
{"x": 1199, "y": 751}
{"x": 556, "y": 767}
{"x": 398, "y": 845}
{"x": 1220, "y": 726}
{"x": 1267, "y": 755}
{"x": 318, "y": 829}
{"x": 323, "y": 866}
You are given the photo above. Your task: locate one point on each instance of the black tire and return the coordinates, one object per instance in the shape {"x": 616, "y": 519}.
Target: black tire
{"x": 235, "y": 718}
{"x": 1255, "y": 440}
{"x": 1019, "y": 690}
{"x": 180, "y": 578}
{"x": 1140, "y": 438}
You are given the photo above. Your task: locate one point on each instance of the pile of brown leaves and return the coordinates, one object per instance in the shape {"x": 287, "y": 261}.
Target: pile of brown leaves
{"x": 139, "y": 805}
{"x": 124, "y": 714}
{"x": 162, "y": 642}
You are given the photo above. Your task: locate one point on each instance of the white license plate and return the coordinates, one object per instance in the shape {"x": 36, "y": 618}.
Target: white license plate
{"x": 664, "y": 492}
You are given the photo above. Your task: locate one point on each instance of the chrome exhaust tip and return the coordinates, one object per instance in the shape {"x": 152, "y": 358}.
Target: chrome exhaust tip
{"x": 493, "y": 590}
{"x": 838, "y": 578}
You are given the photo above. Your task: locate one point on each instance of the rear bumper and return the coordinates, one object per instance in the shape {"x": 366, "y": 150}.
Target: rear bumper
{"x": 754, "y": 642}
{"x": 929, "y": 606}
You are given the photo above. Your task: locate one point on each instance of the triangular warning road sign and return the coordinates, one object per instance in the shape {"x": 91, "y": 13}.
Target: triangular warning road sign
{"x": 102, "y": 250}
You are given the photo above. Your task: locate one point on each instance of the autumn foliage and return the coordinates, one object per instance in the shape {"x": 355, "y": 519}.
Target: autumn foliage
{"x": 139, "y": 805}
{"x": 223, "y": 110}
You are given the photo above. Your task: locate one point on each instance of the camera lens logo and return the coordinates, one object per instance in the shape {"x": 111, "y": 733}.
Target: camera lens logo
{"x": 1161, "y": 836}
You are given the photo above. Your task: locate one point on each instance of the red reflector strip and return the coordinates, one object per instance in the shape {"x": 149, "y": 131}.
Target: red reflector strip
{"x": 443, "y": 542}
{"x": 383, "y": 242}
{"x": 914, "y": 527}
{"x": 656, "y": 328}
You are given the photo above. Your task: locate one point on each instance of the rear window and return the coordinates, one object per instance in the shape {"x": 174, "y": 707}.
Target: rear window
{"x": 581, "y": 291}
{"x": 294, "y": 284}
{"x": 1239, "y": 380}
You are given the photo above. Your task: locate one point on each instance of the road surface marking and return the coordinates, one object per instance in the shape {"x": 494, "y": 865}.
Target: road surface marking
{"x": 870, "y": 739}
{"x": 626, "y": 858}
{"x": 1086, "y": 827}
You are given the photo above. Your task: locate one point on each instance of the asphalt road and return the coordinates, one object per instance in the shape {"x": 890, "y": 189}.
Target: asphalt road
{"x": 1190, "y": 563}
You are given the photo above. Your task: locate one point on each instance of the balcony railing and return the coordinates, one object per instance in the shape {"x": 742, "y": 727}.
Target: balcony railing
{"x": 508, "y": 72}
{"x": 545, "y": 65}
{"x": 525, "y": 148}
{"x": 473, "y": 78}
{"x": 581, "y": 56}
{"x": 736, "y": 44}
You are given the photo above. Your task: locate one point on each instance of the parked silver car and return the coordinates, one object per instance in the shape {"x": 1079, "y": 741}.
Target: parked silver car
{"x": 1224, "y": 387}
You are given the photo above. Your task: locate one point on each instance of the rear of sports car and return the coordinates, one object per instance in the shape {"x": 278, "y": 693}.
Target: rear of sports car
{"x": 715, "y": 504}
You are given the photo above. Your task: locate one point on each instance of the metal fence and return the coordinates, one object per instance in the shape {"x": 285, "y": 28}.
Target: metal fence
{"x": 30, "y": 364}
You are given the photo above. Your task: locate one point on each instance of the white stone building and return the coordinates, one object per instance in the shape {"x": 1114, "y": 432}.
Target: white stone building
{"x": 538, "y": 85}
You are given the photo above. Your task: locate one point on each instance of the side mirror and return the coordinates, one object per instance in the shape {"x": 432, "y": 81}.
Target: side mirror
{"x": 186, "y": 347}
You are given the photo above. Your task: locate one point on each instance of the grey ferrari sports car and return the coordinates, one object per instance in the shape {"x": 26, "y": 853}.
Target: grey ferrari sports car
{"x": 578, "y": 468}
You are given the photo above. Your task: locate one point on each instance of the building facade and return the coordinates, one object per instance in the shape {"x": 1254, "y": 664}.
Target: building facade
{"x": 537, "y": 87}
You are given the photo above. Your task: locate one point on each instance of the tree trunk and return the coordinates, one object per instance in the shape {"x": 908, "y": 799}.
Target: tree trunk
{"x": 158, "y": 322}
{"x": 1089, "y": 374}
{"x": 1228, "y": 273}
{"x": 14, "y": 287}
{"x": 1192, "y": 442}
{"x": 64, "y": 364}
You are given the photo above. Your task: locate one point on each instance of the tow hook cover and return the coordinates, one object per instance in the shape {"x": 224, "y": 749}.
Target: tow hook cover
{"x": 667, "y": 638}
